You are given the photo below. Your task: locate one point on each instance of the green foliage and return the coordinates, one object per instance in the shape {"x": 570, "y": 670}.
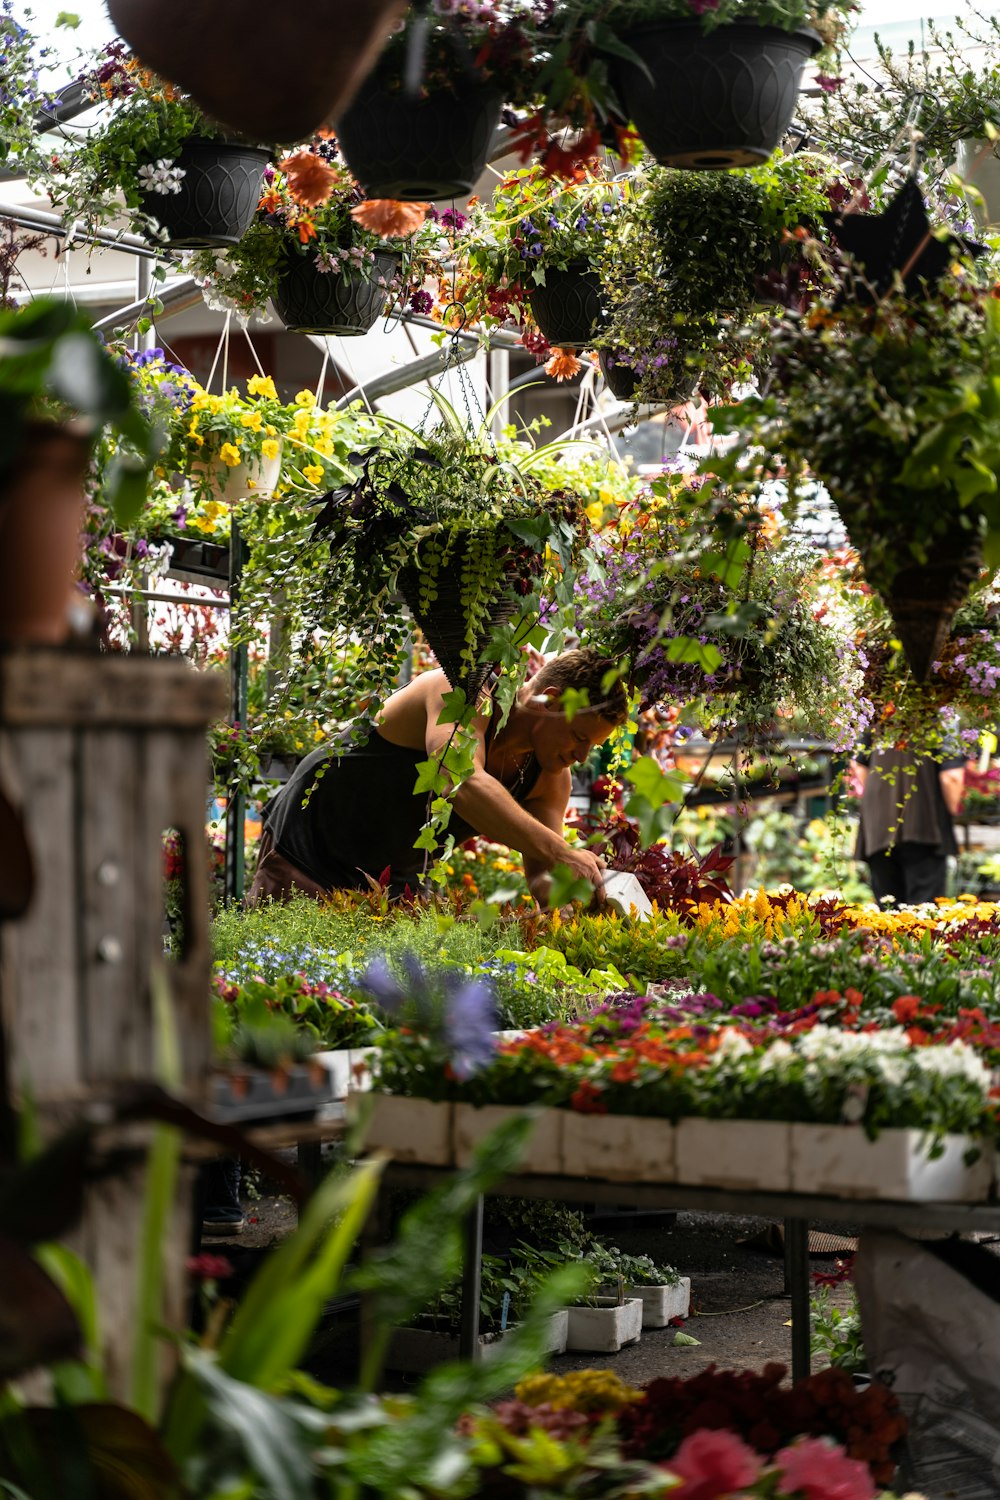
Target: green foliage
{"x": 836, "y": 1335}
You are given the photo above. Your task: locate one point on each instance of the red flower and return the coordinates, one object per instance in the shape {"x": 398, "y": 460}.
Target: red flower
{"x": 818, "y": 1470}
{"x": 712, "y": 1465}
{"x": 588, "y": 1099}
{"x": 208, "y": 1267}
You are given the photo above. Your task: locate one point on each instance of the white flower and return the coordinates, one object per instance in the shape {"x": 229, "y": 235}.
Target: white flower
{"x": 161, "y": 177}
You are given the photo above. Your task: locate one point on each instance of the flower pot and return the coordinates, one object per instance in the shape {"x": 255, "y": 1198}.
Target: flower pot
{"x": 416, "y": 149}
{"x": 567, "y": 308}
{"x": 662, "y": 1303}
{"x": 410, "y": 1130}
{"x": 716, "y": 99}
{"x": 41, "y": 521}
{"x": 619, "y": 377}
{"x": 348, "y": 1068}
{"x": 604, "y": 1329}
{"x": 443, "y": 622}
{"x": 543, "y": 1152}
{"x": 315, "y": 59}
{"x": 978, "y": 163}
{"x": 246, "y": 481}
{"x": 414, "y": 1351}
{"x": 347, "y": 304}
{"x": 218, "y": 197}
{"x": 840, "y": 1160}
{"x": 197, "y": 560}
{"x": 619, "y": 1148}
{"x": 754, "y": 1154}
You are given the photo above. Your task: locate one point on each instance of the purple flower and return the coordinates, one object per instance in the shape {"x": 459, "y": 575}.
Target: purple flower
{"x": 470, "y": 1020}
{"x": 421, "y": 302}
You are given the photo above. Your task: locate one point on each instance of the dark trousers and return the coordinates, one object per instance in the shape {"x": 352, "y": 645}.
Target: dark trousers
{"x": 910, "y": 873}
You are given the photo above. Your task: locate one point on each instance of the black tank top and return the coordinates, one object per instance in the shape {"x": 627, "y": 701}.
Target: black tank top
{"x": 361, "y": 815}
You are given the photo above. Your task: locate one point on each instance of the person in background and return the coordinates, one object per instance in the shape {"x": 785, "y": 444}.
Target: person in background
{"x": 905, "y": 833}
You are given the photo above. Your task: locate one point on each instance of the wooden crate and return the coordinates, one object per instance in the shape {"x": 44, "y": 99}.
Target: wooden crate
{"x": 103, "y": 754}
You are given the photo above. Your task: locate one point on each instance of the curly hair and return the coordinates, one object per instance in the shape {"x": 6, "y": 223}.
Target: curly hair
{"x": 586, "y": 670}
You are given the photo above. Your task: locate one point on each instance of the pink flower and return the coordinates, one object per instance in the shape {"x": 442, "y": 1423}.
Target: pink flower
{"x": 818, "y": 1470}
{"x": 208, "y": 1267}
{"x": 827, "y": 84}
{"x": 699, "y": 7}
{"x": 712, "y": 1464}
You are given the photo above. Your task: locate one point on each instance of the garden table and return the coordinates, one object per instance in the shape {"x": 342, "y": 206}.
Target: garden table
{"x": 796, "y": 1210}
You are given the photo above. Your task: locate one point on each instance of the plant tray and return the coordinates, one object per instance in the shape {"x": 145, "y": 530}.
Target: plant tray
{"x": 841, "y": 1161}
{"x": 252, "y": 1094}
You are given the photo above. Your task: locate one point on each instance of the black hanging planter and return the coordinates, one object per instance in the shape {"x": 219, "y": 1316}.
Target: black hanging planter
{"x": 567, "y": 308}
{"x": 220, "y": 191}
{"x": 619, "y": 377}
{"x": 417, "y": 149}
{"x": 717, "y": 99}
{"x": 443, "y": 622}
{"x": 345, "y": 303}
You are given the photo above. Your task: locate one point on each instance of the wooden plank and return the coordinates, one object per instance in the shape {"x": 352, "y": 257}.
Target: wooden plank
{"x": 65, "y": 689}
{"x": 39, "y": 968}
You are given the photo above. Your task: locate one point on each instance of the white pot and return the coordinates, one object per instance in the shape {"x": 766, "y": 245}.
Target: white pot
{"x": 983, "y": 174}
{"x": 619, "y": 1148}
{"x": 604, "y": 1330}
{"x": 841, "y": 1161}
{"x": 735, "y": 1154}
{"x": 661, "y": 1303}
{"x": 349, "y": 1069}
{"x": 410, "y": 1130}
{"x": 257, "y": 477}
{"x": 543, "y": 1152}
{"x": 414, "y": 1350}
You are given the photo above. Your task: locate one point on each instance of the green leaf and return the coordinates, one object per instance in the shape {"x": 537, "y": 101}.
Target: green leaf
{"x": 685, "y": 1341}
{"x": 69, "y": 19}
{"x": 567, "y": 887}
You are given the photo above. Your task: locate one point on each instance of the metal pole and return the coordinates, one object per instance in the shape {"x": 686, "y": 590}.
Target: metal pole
{"x": 797, "y": 1285}
{"x": 239, "y": 672}
{"x": 472, "y": 1235}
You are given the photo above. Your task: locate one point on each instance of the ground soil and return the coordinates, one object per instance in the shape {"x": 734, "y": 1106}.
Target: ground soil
{"x": 739, "y": 1309}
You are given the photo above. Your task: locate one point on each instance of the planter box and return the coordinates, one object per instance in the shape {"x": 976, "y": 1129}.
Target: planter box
{"x": 620, "y": 1148}
{"x": 410, "y": 1130}
{"x": 604, "y": 1330}
{"x": 414, "y": 1350}
{"x": 543, "y": 1152}
{"x": 661, "y": 1303}
{"x": 840, "y": 1160}
{"x": 342, "y": 1065}
{"x": 251, "y": 1094}
{"x": 735, "y": 1154}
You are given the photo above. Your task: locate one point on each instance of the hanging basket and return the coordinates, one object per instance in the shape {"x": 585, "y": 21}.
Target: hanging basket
{"x": 567, "y": 308}
{"x": 252, "y": 480}
{"x": 921, "y": 597}
{"x": 444, "y": 621}
{"x": 619, "y": 377}
{"x": 315, "y": 58}
{"x": 41, "y": 525}
{"x": 347, "y": 304}
{"x": 712, "y": 100}
{"x": 417, "y": 149}
{"x": 218, "y": 197}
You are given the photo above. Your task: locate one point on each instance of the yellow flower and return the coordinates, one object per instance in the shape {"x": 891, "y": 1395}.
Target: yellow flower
{"x": 312, "y": 473}
{"x": 252, "y": 420}
{"x": 230, "y": 455}
{"x": 325, "y": 446}
{"x": 193, "y": 426}
{"x": 305, "y": 398}
{"x": 269, "y": 448}
{"x": 271, "y": 430}
{"x": 201, "y": 402}
{"x": 301, "y": 422}
{"x": 262, "y": 385}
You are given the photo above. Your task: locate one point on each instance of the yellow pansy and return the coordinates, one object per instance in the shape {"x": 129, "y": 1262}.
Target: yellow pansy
{"x": 271, "y": 430}
{"x": 201, "y": 402}
{"x": 312, "y": 473}
{"x": 193, "y": 425}
{"x": 324, "y": 446}
{"x": 305, "y": 398}
{"x": 269, "y": 448}
{"x": 262, "y": 385}
{"x": 230, "y": 455}
{"x": 301, "y": 422}
{"x": 252, "y": 420}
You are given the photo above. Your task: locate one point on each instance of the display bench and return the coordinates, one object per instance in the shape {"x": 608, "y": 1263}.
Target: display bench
{"x": 799, "y": 1174}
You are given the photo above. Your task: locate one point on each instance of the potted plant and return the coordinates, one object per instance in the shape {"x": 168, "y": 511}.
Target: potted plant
{"x": 22, "y": 98}
{"x": 914, "y": 484}
{"x": 422, "y": 123}
{"x": 182, "y": 179}
{"x": 536, "y": 251}
{"x": 705, "y": 86}
{"x": 664, "y": 1295}
{"x": 460, "y": 531}
{"x": 316, "y": 61}
{"x": 693, "y": 258}
{"x": 309, "y": 252}
{"x": 58, "y": 388}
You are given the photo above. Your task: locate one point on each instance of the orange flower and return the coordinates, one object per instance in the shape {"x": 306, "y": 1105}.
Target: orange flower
{"x": 563, "y": 365}
{"x": 390, "y": 218}
{"x": 310, "y": 179}
{"x": 306, "y": 229}
{"x": 906, "y": 1008}
{"x": 270, "y": 201}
